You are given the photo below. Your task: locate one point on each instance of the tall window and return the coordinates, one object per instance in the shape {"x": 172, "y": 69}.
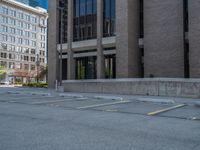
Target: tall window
{"x": 109, "y": 18}
{"x": 110, "y": 66}
{"x": 63, "y": 4}
{"x": 86, "y": 68}
{"x": 85, "y": 16}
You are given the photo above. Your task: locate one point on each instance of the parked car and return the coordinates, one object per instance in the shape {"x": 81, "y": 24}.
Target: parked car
{"x": 4, "y": 82}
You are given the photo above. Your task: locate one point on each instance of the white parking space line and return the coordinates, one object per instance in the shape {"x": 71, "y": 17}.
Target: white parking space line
{"x": 52, "y": 101}
{"x": 20, "y": 98}
{"x": 46, "y": 102}
{"x": 104, "y": 104}
{"x": 156, "y": 100}
{"x": 165, "y": 110}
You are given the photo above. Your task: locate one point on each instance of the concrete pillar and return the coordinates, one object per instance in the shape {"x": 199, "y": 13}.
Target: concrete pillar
{"x": 70, "y": 60}
{"x": 100, "y": 55}
{"x": 52, "y": 43}
{"x": 194, "y": 38}
{"x": 127, "y": 31}
{"x": 163, "y": 38}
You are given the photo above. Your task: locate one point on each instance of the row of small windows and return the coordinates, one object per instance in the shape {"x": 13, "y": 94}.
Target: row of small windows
{"x": 19, "y": 57}
{"x": 17, "y": 40}
{"x": 20, "y": 32}
{"x": 21, "y": 41}
{"x": 18, "y": 14}
{"x": 13, "y": 65}
{"x": 18, "y": 23}
{"x": 20, "y": 49}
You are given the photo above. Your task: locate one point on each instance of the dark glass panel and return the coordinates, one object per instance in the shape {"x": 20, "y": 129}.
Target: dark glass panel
{"x": 85, "y": 19}
{"x": 110, "y": 66}
{"x": 64, "y": 69}
{"x": 63, "y": 4}
{"x": 109, "y": 18}
{"x": 86, "y": 68}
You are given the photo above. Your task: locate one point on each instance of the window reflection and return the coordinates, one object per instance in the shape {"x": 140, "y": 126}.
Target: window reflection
{"x": 85, "y": 16}
{"x": 109, "y": 18}
{"x": 86, "y": 68}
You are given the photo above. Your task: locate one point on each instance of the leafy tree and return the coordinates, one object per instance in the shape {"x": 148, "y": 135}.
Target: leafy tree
{"x": 41, "y": 72}
{"x": 2, "y": 73}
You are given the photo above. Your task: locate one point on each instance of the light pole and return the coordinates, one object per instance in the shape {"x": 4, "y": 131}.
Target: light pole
{"x": 37, "y": 64}
{"x": 61, "y": 42}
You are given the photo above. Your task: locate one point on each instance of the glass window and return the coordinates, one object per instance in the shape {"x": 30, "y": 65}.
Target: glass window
{"x": 32, "y": 51}
{"x": 5, "y": 10}
{"x": 110, "y": 66}
{"x": 109, "y": 18}
{"x": 32, "y": 67}
{"x": 86, "y": 68}
{"x": 5, "y": 20}
{"x": 26, "y": 67}
{"x": 63, "y": 4}
{"x": 85, "y": 19}
{"x": 82, "y": 7}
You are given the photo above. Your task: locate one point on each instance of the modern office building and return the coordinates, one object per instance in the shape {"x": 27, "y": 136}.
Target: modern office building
{"x": 23, "y": 39}
{"x": 35, "y": 3}
{"x": 124, "y": 39}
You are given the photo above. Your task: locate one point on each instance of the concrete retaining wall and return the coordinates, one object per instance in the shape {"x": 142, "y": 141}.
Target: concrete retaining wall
{"x": 154, "y": 87}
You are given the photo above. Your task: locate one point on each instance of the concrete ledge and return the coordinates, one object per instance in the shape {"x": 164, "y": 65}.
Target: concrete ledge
{"x": 148, "y": 86}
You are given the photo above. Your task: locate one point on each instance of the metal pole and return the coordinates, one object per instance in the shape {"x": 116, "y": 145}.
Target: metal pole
{"x": 37, "y": 64}
{"x": 61, "y": 42}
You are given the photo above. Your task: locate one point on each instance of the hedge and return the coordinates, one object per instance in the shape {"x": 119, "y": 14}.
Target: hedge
{"x": 36, "y": 85}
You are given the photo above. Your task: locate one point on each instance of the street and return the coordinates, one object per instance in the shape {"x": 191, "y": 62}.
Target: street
{"x": 42, "y": 119}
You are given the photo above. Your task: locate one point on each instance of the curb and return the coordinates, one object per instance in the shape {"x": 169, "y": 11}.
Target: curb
{"x": 109, "y": 97}
{"x": 42, "y": 94}
{"x": 71, "y": 95}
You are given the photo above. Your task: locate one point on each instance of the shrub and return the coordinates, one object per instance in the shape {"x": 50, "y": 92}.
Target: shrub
{"x": 36, "y": 85}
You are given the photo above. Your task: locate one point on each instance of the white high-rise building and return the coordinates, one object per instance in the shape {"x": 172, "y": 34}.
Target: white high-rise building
{"x": 23, "y": 39}
{"x": 24, "y": 1}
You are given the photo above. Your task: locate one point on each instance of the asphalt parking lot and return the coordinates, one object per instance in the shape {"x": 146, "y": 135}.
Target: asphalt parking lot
{"x": 50, "y": 120}
{"x": 106, "y": 103}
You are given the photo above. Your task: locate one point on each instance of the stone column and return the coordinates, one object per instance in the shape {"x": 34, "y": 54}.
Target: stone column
{"x": 100, "y": 55}
{"x": 127, "y": 31}
{"x": 70, "y": 60}
{"x": 163, "y": 38}
{"x": 52, "y": 43}
{"x": 194, "y": 38}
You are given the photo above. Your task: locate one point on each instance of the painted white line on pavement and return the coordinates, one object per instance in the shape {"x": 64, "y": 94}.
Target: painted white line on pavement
{"x": 104, "y": 104}
{"x": 155, "y": 100}
{"x": 21, "y": 98}
{"x": 165, "y": 110}
{"x": 46, "y": 102}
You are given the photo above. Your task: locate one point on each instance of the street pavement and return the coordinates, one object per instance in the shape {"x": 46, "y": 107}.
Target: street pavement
{"x": 43, "y": 119}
